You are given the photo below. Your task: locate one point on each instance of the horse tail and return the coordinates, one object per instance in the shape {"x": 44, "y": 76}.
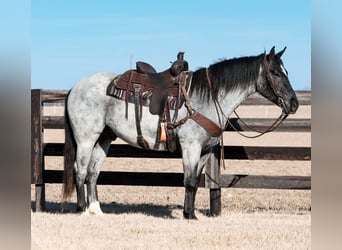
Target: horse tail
{"x": 69, "y": 156}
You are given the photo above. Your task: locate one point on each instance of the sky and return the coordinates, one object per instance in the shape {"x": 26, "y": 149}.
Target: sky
{"x": 74, "y": 39}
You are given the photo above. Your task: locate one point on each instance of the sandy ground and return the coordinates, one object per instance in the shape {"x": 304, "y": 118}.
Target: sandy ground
{"x": 151, "y": 217}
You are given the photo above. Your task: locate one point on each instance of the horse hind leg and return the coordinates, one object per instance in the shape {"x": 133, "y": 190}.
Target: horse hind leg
{"x": 83, "y": 154}
{"x": 98, "y": 156}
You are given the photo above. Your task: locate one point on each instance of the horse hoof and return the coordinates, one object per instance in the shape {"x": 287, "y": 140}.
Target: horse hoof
{"x": 189, "y": 216}
{"x": 93, "y": 209}
{"x": 80, "y": 209}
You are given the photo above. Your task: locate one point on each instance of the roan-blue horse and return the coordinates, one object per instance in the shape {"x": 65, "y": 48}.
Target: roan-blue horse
{"x": 94, "y": 120}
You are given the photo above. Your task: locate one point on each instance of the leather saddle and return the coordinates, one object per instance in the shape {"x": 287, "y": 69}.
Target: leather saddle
{"x": 145, "y": 68}
{"x": 153, "y": 87}
{"x": 159, "y": 91}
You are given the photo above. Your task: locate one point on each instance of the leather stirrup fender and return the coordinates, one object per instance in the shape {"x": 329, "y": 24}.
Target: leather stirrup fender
{"x": 140, "y": 138}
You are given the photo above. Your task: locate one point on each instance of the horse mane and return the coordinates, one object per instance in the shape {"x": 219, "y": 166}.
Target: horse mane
{"x": 227, "y": 74}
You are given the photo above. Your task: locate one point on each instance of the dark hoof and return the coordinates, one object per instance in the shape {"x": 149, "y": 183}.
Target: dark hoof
{"x": 189, "y": 216}
{"x": 81, "y": 209}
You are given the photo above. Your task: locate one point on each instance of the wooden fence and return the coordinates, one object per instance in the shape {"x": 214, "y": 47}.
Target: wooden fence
{"x": 211, "y": 179}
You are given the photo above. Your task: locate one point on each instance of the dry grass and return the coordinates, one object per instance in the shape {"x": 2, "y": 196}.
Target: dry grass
{"x": 151, "y": 217}
{"x": 233, "y": 230}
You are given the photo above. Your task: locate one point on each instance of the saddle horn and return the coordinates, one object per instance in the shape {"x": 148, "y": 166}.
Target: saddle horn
{"x": 179, "y": 65}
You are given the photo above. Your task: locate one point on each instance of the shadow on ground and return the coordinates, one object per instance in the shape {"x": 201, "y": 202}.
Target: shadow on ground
{"x": 162, "y": 211}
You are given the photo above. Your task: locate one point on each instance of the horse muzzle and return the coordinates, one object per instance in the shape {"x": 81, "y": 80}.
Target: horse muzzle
{"x": 293, "y": 105}
{"x": 289, "y": 107}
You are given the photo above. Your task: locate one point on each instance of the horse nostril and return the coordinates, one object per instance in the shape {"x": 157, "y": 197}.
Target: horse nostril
{"x": 294, "y": 105}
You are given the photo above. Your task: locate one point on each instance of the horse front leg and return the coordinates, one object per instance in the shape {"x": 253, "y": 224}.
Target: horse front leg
{"x": 189, "y": 201}
{"x": 193, "y": 164}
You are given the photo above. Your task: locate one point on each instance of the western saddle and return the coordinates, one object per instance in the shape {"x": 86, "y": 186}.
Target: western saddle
{"x": 161, "y": 92}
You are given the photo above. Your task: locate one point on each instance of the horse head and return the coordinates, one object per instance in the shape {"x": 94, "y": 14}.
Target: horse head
{"x": 274, "y": 83}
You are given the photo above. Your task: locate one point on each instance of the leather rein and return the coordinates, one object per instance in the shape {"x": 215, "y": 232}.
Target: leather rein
{"x": 212, "y": 128}
{"x": 276, "y": 91}
{"x": 274, "y": 125}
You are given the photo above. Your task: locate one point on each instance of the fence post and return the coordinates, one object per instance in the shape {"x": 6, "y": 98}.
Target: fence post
{"x": 37, "y": 158}
{"x": 212, "y": 180}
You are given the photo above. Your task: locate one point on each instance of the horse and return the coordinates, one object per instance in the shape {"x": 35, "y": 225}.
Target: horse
{"x": 94, "y": 120}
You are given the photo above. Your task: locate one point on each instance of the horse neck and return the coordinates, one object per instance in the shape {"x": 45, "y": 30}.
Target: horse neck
{"x": 233, "y": 81}
{"x": 228, "y": 102}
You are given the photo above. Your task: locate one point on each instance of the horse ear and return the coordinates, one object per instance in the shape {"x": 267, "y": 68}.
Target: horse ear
{"x": 271, "y": 54}
{"x": 279, "y": 54}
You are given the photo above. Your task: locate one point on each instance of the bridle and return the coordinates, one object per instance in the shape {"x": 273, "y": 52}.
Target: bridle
{"x": 277, "y": 93}
{"x": 274, "y": 125}
{"x": 273, "y": 85}
{"x": 281, "y": 103}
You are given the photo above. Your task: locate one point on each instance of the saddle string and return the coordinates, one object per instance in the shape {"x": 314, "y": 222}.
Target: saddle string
{"x": 128, "y": 87}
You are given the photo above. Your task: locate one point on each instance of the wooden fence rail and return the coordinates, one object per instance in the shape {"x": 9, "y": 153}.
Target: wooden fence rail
{"x": 211, "y": 179}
